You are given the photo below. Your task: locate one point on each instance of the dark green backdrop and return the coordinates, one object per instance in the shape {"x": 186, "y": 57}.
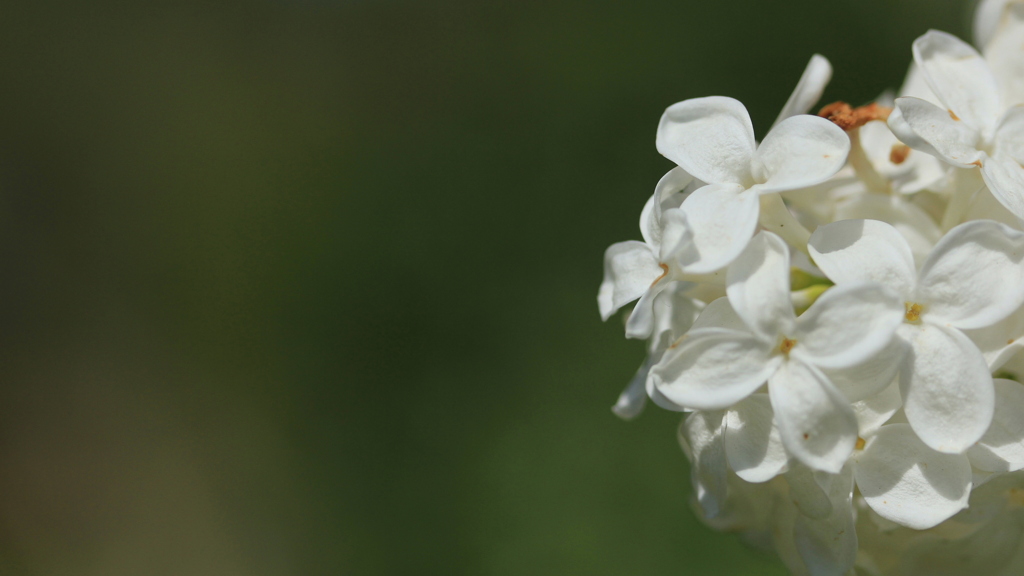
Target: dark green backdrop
{"x": 308, "y": 287}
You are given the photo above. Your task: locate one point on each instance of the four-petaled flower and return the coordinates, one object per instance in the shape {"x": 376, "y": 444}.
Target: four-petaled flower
{"x": 715, "y": 367}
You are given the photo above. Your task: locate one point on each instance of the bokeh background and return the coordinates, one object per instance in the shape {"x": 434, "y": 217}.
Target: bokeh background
{"x": 308, "y": 287}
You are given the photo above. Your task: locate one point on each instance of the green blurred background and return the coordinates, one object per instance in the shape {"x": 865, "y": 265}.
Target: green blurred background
{"x": 308, "y": 287}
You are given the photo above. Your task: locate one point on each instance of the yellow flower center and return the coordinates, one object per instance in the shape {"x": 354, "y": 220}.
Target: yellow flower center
{"x": 913, "y": 312}
{"x": 786, "y": 345}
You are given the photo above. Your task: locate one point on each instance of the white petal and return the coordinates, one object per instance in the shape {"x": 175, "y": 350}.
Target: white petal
{"x": 848, "y": 324}
{"x": 905, "y": 481}
{"x": 828, "y": 546}
{"x": 915, "y": 85}
{"x": 629, "y": 270}
{"x": 1005, "y": 179}
{"x": 871, "y": 376}
{"x": 757, "y": 284}
{"x": 714, "y": 368}
{"x": 669, "y": 187}
{"x": 809, "y": 89}
{"x": 674, "y": 312}
{"x": 985, "y": 206}
{"x": 913, "y": 223}
{"x": 677, "y": 243}
{"x": 711, "y": 138}
{"x": 808, "y": 489}
{"x": 946, "y": 387}
{"x": 1009, "y": 139}
{"x": 752, "y": 442}
{"x": 1005, "y": 55}
{"x": 650, "y": 221}
{"x": 1000, "y": 341}
{"x": 876, "y": 410}
{"x": 933, "y": 130}
{"x": 701, "y": 435}
{"x": 719, "y": 314}
{"x": 632, "y": 400}
{"x": 975, "y": 275}
{"x": 815, "y": 421}
{"x": 915, "y": 170}
{"x": 801, "y": 151}
{"x": 640, "y": 324}
{"x": 722, "y": 219}
{"x": 904, "y": 132}
{"x": 659, "y": 399}
{"x": 854, "y": 251}
{"x": 987, "y": 17}
{"x": 960, "y": 77}
{"x": 1001, "y": 449}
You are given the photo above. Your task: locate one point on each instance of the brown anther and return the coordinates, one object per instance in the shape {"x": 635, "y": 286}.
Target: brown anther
{"x": 846, "y": 117}
{"x": 899, "y": 153}
{"x": 663, "y": 274}
{"x": 787, "y": 345}
{"x": 953, "y": 115}
{"x": 913, "y": 312}
{"x": 977, "y": 163}
{"x": 860, "y": 443}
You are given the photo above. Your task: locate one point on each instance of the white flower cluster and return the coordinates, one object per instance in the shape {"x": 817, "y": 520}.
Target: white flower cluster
{"x": 850, "y": 394}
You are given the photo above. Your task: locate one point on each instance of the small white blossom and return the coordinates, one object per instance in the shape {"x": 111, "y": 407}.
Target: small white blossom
{"x": 640, "y": 270}
{"x": 976, "y": 129}
{"x": 717, "y": 367}
{"x": 973, "y": 278}
{"x": 713, "y": 139}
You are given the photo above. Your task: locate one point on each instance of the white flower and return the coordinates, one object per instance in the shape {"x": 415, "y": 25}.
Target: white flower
{"x": 713, "y": 139}
{"x": 899, "y": 477}
{"x": 905, "y": 481}
{"x": 916, "y": 227}
{"x": 987, "y": 538}
{"x": 893, "y": 166}
{"x": 641, "y": 270}
{"x": 713, "y": 368}
{"x": 975, "y": 129}
{"x": 973, "y": 278}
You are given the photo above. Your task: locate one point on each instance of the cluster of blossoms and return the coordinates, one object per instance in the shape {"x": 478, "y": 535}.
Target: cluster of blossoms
{"x": 851, "y": 395}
